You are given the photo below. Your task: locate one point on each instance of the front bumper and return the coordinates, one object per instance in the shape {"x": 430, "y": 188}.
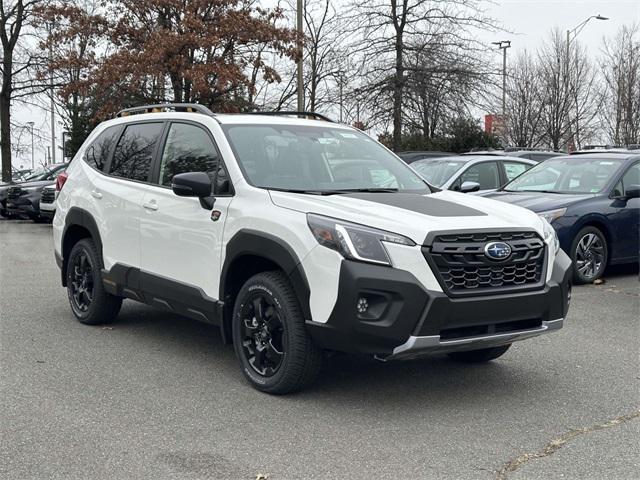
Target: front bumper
{"x": 28, "y": 205}
{"x": 404, "y": 320}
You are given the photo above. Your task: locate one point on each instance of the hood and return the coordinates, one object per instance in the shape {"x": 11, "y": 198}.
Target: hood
{"x": 413, "y": 215}
{"x": 538, "y": 201}
{"x": 35, "y": 183}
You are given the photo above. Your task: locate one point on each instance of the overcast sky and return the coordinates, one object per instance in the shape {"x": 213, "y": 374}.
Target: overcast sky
{"x": 530, "y": 20}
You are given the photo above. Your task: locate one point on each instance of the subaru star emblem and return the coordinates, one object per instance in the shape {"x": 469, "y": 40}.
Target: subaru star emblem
{"x": 497, "y": 250}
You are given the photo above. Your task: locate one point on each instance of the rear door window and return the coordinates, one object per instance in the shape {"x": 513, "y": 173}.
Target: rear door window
{"x": 98, "y": 152}
{"x": 133, "y": 156}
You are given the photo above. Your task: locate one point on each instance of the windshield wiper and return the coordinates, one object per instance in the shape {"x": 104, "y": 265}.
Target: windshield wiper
{"x": 531, "y": 191}
{"x": 366, "y": 190}
{"x": 306, "y": 192}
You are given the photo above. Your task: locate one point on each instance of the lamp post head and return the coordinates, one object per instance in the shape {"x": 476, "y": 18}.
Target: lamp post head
{"x": 600, "y": 17}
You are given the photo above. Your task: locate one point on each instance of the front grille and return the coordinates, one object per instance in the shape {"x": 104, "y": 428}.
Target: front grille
{"x": 48, "y": 195}
{"x": 14, "y": 193}
{"x": 462, "y": 268}
{"x": 491, "y": 329}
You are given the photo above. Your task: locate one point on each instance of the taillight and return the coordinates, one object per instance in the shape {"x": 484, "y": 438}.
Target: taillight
{"x": 60, "y": 181}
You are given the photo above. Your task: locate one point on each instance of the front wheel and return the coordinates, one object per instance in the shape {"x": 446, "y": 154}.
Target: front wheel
{"x": 480, "y": 356}
{"x": 589, "y": 254}
{"x": 89, "y": 301}
{"x": 273, "y": 347}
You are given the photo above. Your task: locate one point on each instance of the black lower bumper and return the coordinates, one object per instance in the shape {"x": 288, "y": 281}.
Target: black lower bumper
{"x": 23, "y": 206}
{"x": 398, "y": 308}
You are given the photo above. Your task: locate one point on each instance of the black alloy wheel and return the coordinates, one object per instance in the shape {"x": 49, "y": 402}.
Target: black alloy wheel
{"x": 81, "y": 286}
{"x": 274, "y": 349}
{"x": 89, "y": 301}
{"x": 263, "y": 334}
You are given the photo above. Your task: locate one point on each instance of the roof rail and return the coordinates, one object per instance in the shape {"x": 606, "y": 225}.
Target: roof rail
{"x": 165, "y": 107}
{"x": 312, "y": 115}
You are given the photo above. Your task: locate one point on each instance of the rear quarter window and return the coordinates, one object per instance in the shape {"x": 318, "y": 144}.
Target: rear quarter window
{"x": 97, "y": 154}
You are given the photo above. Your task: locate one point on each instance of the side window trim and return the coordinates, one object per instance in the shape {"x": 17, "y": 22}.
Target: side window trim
{"x": 154, "y": 155}
{"x": 165, "y": 136}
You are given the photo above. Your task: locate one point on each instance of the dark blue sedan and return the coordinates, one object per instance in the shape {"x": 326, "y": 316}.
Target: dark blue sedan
{"x": 591, "y": 201}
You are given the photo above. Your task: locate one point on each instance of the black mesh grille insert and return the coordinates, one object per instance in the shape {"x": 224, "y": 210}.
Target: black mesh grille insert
{"x": 14, "y": 192}
{"x": 48, "y": 195}
{"x": 462, "y": 268}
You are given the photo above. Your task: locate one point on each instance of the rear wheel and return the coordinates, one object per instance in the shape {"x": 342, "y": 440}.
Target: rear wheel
{"x": 589, "y": 254}
{"x": 480, "y": 356}
{"x": 89, "y": 301}
{"x": 273, "y": 347}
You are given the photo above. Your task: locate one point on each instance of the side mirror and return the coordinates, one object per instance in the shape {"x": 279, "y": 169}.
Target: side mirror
{"x": 633, "y": 191}
{"x": 194, "y": 184}
{"x": 468, "y": 187}
{"x": 191, "y": 184}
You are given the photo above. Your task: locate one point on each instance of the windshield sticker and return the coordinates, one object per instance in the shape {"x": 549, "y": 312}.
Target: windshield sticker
{"x": 595, "y": 190}
{"x": 607, "y": 163}
{"x": 349, "y": 135}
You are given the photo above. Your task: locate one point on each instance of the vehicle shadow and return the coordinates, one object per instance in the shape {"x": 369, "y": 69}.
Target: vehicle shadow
{"x": 346, "y": 381}
{"x": 616, "y": 271}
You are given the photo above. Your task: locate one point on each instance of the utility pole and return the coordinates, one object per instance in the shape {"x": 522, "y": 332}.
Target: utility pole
{"x": 53, "y": 114}
{"x": 31, "y": 124}
{"x": 340, "y": 80}
{"x": 300, "y": 80}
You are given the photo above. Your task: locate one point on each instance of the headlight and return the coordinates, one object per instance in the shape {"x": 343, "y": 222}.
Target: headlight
{"x": 550, "y": 235}
{"x": 551, "y": 215}
{"x": 353, "y": 241}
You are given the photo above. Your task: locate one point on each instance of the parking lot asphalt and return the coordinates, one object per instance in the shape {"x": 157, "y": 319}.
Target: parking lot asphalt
{"x": 156, "y": 396}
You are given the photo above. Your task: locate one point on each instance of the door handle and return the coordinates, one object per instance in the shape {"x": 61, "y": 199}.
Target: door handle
{"x": 150, "y": 205}
{"x": 96, "y": 194}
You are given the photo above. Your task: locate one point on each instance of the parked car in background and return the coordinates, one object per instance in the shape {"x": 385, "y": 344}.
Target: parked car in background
{"x": 412, "y": 156}
{"x": 592, "y": 202}
{"x": 471, "y": 173}
{"x": 48, "y": 202}
{"x": 20, "y": 175}
{"x": 23, "y": 199}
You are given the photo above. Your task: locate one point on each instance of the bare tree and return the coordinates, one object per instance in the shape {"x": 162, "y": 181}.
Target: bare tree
{"x": 568, "y": 93}
{"x": 621, "y": 95}
{"x": 524, "y": 102}
{"x": 387, "y": 29}
{"x": 17, "y": 68}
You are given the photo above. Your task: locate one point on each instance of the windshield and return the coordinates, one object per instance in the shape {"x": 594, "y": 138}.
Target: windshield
{"x": 318, "y": 159}
{"x": 566, "y": 175}
{"x": 437, "y": 172}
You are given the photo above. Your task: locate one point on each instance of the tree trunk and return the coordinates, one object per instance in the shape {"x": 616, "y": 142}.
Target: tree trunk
{"x": 5, "y": 116}
{"x": 398, "y": 82}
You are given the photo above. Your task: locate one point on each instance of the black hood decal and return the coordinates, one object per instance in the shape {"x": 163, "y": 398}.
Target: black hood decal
{"x": 423, "y": 204}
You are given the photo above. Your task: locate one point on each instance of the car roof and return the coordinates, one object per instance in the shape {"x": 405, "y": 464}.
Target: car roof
{"x": 625, "y": 155}
{"x": 228, "y": 119}
{"x": 467, "y": 158}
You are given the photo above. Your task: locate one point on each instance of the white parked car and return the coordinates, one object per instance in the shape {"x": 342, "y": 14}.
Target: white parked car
{"x": 472, "y": 173}
{"x": 296, "y": 235}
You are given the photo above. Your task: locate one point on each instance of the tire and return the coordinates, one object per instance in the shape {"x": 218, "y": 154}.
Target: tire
{"x": 480, "y": 356}
{"x": 589, "y": 254}
{"x": 89, "y": 301}
{"x": 274, "y": 350}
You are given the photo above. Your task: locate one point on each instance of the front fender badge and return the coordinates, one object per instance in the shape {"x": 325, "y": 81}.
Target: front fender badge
{"x": 215, "y": 215}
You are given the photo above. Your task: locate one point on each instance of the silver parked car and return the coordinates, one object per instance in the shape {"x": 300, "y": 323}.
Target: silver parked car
{"x": 472, "y": 173}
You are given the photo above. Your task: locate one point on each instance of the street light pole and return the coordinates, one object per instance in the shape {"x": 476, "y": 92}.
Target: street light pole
{"x": 299, "y": 14}
{"x": 31, "y": 124}
{"x": 571, "y": 35}
{"x": 503, "y": 45}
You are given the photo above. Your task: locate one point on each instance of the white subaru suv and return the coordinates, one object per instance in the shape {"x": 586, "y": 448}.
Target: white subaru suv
{"x": 296, "y": 235}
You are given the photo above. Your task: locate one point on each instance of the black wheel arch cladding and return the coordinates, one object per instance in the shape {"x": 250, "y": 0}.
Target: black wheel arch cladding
{"x": 269, "y": 247}
{"x": 77, "y": 217}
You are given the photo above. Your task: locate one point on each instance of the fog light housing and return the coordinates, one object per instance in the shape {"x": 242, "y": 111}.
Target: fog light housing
{"x": 363, "y": 305}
